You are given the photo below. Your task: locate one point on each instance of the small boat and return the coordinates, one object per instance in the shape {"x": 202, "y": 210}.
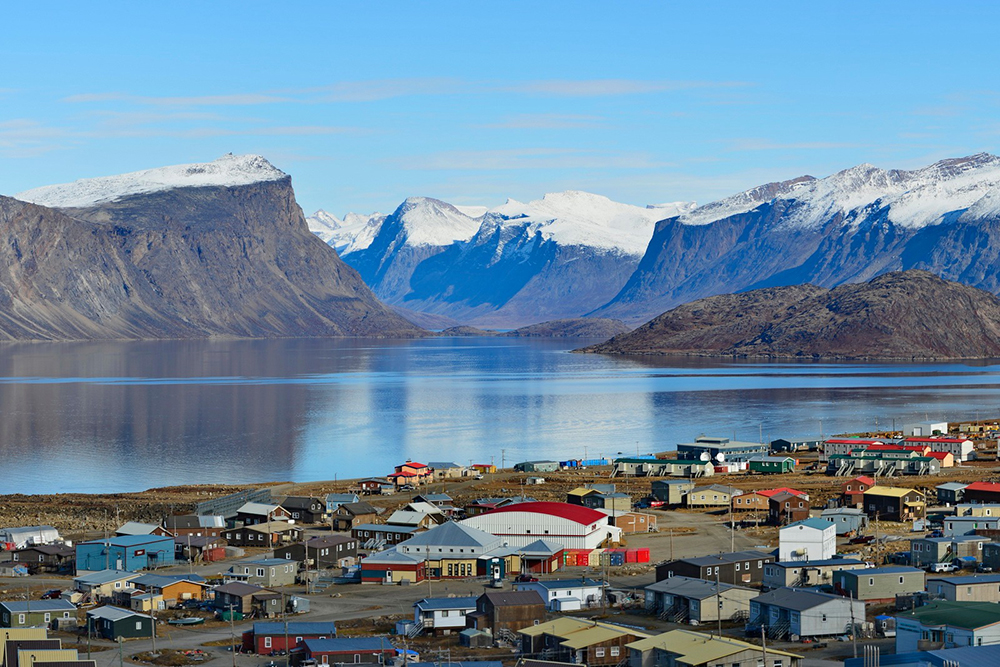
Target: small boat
{"x": 189, "y": 620}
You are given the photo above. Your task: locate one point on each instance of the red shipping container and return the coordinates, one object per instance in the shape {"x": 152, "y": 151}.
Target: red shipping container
{"x": 631, "y": 556}
{"x": 642, "y": 555}
{"x": 583, "y": 558}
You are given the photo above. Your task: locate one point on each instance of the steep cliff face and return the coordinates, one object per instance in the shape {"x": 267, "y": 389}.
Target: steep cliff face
{"x": 175, "y": 262}
{"x": 897, "y": 315}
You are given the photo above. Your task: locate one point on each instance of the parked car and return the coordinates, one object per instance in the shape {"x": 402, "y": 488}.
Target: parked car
{"x": 53, "y": 594}
{"x": 525, "y": 578}
{"x": 943, "y": 567}
{"x": 407, "y": 487}
{"x": 861, "y": 539}
{"x": 479, "y": 476}
{"x": 935, "y": 533}
{"x": 984, "y": 568}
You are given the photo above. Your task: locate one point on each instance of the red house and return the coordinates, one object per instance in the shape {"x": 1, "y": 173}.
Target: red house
{"x": 411, "y": 473}
{"x": 982, "y": 492}
{"x": 853, "y": 490}
{"x": 267, "y": 637}
{"x": 349, "y": 650}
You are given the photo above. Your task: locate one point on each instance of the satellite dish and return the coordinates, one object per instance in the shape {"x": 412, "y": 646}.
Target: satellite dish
{"x": 720, "y": 457}
{"x": 705, "y": 456}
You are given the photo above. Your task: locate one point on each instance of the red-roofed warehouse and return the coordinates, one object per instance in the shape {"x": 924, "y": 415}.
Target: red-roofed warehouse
{"x": 573, "y": 526}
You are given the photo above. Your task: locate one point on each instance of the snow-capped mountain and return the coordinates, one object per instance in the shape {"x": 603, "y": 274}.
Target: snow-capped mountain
{"x": 847, "y": 227}
{"x": 354, "y": 232}
{"x": 515, "y": 264}
{"x": 228, "y": 171}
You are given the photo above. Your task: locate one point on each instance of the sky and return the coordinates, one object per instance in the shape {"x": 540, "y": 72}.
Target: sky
{"x": 365, "y": 104}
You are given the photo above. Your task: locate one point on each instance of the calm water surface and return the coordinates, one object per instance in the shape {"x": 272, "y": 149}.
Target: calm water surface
{"x": 130, "y": 416}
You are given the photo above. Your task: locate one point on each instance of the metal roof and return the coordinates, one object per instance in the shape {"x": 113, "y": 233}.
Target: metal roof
{"x": 818, "y": 563}
{"x": 969, "y": 580}
{"x": 698, "y": 648}
{"x": 114, "y": 613}
{"x": 725, "y": 558}
{"x": 428, "y": 604}
{"x": 896, "y": 569}
{"x": 689, "y": 587}
{"x": 453, "y": 534}
{"x": 561, "y": 584}
{"x": 386, "y": 528}
{"x": 812, "y": 522}
{"x": 576, "y": 513}
{"x": 798, "y": 599}
{"x": 348, "y": 644}
{"x": 968, "y": 615}
{"x": 105, "y": 577}
{"x": 296, "y": 628}
{"x": 22, "y": 606}
{"x": 137, "y": 528}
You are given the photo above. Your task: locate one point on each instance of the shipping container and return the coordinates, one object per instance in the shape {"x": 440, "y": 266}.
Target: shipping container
{"x": 595, "y": 558}
{"x": 643, "y": 555}
{"x": 631, "y": 556}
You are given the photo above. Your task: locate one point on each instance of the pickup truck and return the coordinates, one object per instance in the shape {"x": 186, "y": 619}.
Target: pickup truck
{"x": 943, "y": 567}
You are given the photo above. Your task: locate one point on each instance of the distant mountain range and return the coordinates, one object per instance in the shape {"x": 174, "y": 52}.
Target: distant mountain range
{"x": 574, "y": 254}
{"x": 897, "y": 315}
{"x": 213, "y": 249}
{"x": 520, "y": 263}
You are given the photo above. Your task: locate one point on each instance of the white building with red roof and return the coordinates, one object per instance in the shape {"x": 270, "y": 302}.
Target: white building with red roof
{"x": 960, "y": 448}
{"x": 573, "y": 526}
{"x": 844, "y": 446}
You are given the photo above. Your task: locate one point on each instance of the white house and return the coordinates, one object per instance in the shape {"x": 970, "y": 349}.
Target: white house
{"x": 960, "y": 448}
{"x": 573, "y": 526}
{"x": 442, "y": 615}
{"x": 950, "y": 624}
{"x": 565, "y": 594}
{"x": 809, "y": 539}
{"x": 925, "y": 429}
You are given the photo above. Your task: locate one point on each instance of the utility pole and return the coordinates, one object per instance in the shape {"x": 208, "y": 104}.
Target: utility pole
{"x": 763, "y": 642}
{"x": 121, "y": 655}
{"x": 732, "y": 526}
{"x": 284, "y": 617}
{"x": 152, "y": 615}
{"x": 854, "y": 629}
{"x": 232, "y": 633}
{"x": 718, "y": 601}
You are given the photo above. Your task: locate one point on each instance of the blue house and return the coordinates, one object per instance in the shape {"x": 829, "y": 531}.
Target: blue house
{"x": 127, "y": 552}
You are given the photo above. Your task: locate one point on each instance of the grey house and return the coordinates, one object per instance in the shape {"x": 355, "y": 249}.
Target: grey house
{"x": 800, "y": 574}
{"x": 689, "y": 600}
{"x": 267, "y": 572}
{"x": 878, "y": 583}
{"x": 991, "y": 556}
{"x": 973, "y": 588}
{"x": 950, "y": 493}
{"x": 672, "y": 491}
{"x": 968, "y": 525}
{"x": 927, "y": 551}
{"x": 846, "y": 519}
{"x": 805, "y": 613}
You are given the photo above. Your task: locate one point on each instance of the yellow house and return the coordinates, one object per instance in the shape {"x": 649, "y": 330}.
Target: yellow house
{"x": 18, "y": 634}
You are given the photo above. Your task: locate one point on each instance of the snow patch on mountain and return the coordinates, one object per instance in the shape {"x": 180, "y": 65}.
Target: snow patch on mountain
{"x": 915, "y": 199}
{"x": 472, "y": 211}
{"x": 585, "y": 219}
{"x": 355, "y": 232}
{"x": 432, "y": 222}
{"x": 228, "y": 170}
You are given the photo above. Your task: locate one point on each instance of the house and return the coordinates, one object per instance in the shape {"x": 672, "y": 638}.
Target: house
{"x": 13, "y": 641}
{"x": 380, "y": 535}
{"x": 375, "y": 486}
{"x": 263, "y": 535}
{"x": 696, "y": 601}
{"x": 114, "y": 622}
{"x": 843, "y": 446}
{"x": 266, "y": 637}
{"x": 447, "y": 470}
{"x": 755, "y": 501}
{"x": 796, "y": 445}
{"x": 944, "y": 624}
{"x": 949, "y": 657}
{"x": 173, "y": 588}
{"x": 950, "y": 493}
{"x": 853, "y": 490}
{"x": 685, "y": 648}
{"x": 991, "y": 555}
{"x": 671, "y": 491}
{"x": 961, "y": 449}
{"x": 442, "y": 616}
{"x": 539, "y": 557}
{"x": 969, "y": 525}
{"x": 101, "y": 585}
{"x": 199, "y": 549}
{"x": 579, "y": 641}
{"x": 57, "y": 558}
{"x": 982, "y": 492}
{"x": 195, "y": 525}
{"x": 613, "y": 502}
{"x": 721, "y": 449}
{"x": 137, "y": 528}
{"x": 878, "y": 584}
{"x": 803, "y": 612}
{"x": 520, "y": 524}
{"x": 251, "y": 514}
{"x": 484, "y": 468}
{"x": 536, "y": 466}
{"x": 972, "y": 588}
{"x": 353, "y": 650}
{"x": 740, "y": 567}
{"x": 326, "y": 551}
{"x": 335, "y": 500}
{"x": 803, "y": 574}
{"x": 418, "y": 520}
{"x": 809, "y": 539}
{"x": 566, "y": 594}
{"x": 653, "y": 467}
{"x": 29, "y": 535}
{"x": 36, "y": 613}
{"x": 507, "y": 611}
{"x": 411, "y": 472}
{"x": 847, "y": 520}
{"x": 349, "y": 515}
{"x": 714, "y": 495}
{"x": 245, "y": 598}
{"x": 20, "y": 655}
{"x": 632, "y": 522}
{"x": 926, "y": 551}
{"x": 977, "y": 509}
{"x": 890, "y": 503}
{"x": 392, "y": 567}
{"x": 784, "y": 508}
{"x": 878, "y": 461}
{"x": 945, "y": 459}
{"x": 305, "y": 509}
{"x": 128, "y": 552}
{"x": 451, "y": 550}
{"x": 267, "y": 572}
{"x": 771, "y": 465}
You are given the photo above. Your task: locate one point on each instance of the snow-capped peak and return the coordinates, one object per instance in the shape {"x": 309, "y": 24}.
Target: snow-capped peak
{"x": 583, "y": 218}
{"x": 914, "y": 198}
{"x": 228, "y": 170}
{"x": 432, "y": 222}
{"x": 354, "y": 232}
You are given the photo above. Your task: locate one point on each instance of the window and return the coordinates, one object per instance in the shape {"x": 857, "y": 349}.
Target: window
{"x": 599, "y": 652}
{"x": 260, "y": 572}
{"x": 760, "y": 564}
{"x": 20, "y": 619}
{"x": 138, "y": 625}
{"x": 824, "y": 618}
{"x": 267, "y": 642}
{"x": 871, "y": 581}
{"x": 357, "y": 658}
{"x": 48, "y": 617}
{"x": 614, "y": 651}
{"x": 118, "y": 584}
{"x": 900, "y": 580}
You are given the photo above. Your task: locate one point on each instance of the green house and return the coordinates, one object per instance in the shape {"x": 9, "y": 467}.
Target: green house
{"x": 34, "y": 613}
{"x": 769, "y": 465}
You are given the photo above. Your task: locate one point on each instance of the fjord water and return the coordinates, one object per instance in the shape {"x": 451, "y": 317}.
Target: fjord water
{"x": 113, "y": 416}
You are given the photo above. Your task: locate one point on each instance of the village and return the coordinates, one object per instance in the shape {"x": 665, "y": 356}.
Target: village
{"x": 790, "y": 553}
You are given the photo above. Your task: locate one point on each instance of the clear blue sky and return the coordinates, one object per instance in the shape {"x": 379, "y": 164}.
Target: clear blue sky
{"x": 367, "y": 103}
